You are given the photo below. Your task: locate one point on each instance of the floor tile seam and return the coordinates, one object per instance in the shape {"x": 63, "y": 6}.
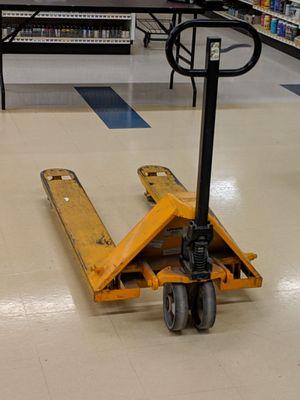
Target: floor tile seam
{"x": 32, "y": 271}
{"x": 275, "y": 291}
{"x": 15, "y": 125}
{"x": 129, "y": 360}
{"x": 194, "y": 392}
{"x": 83, "y": 319}
{"x": 14, "y": 274}
{"x": 287, "y": 386}
{"x": 45, "y": 313}
{"x": 137, "y": 377}
{"x": 116, "y": 331}
{"x": 159, "y": 342}
{"x": 22, "y": 138}
{"x": 43, "y": 373}
{"x": 222, "y": 366}
{"x": 39, "y": 359}
{"x": 68, "y": 131}
{"x": 212, "y": 353}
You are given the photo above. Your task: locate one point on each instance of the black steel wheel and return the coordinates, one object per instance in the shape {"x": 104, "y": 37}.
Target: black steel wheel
{"x": 149, "y": 197}
{"x": 175, "y": 306}
{"x": 146, "y": 40}
{"x": 203, "y": 306}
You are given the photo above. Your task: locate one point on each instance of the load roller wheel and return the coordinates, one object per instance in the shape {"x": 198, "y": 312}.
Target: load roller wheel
{"x": 146, "y": 40}
{"x": 203, "y": 305}
{"x": 175, "y": 306}
{"x": 149, "y": 197}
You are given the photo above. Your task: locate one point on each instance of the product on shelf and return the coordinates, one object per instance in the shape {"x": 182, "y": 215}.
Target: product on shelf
{"x": 279, "y": 6}
{"x": 291, "y": 31}
{"x": 283, "y": 20}
{"x": 267, "y": 22}
{"x": 285, "y": 7}
{"x": 279, "y": 27}
{"x": 244, "y": 15}
{"x": 274, "y": 23}
{"x": 71, "y": 31}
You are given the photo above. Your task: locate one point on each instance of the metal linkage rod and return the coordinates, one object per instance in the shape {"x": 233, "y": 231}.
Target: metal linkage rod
{"x": 209, "y": 106}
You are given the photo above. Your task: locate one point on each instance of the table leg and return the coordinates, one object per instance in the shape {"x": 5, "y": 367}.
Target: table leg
{"x": 174, "y": 20}
{"x": 1, "y": 66}
{"x": 193, "y": 46}
{"x": 177, "y": 53}
{"x": 2, "y": 83}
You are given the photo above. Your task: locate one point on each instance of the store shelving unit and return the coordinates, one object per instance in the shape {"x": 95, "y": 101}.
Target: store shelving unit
{"x": 267, "y": 36}
{"x": 66, "y": 15}
{"x": 224, "y": 14}
{"x": 277, "y": 15}
{"x": 246, "y": 2}
{"x": 69, "y": 32}
{"x": 276, "y": 37}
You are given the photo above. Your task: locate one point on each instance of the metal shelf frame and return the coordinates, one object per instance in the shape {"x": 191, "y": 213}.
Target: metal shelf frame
{"x": 65, "y": 15}
{"x": 276, "y": 37}
{"x": 67, "y": 40}
{"x": 247, "y": 2}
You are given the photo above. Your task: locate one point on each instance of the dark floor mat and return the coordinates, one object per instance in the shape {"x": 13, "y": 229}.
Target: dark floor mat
{"x": 111, "y": 108}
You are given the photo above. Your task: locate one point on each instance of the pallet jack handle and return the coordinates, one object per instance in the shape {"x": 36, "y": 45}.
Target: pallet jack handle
{"x": 211, "y": 73}
{"x": 195, "y": 244}
{"x": 206, "y": 23}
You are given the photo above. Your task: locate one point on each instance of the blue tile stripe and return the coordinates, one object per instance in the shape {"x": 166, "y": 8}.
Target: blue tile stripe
{"x": 295, "y": 88}
{"x": 111, "y": 108}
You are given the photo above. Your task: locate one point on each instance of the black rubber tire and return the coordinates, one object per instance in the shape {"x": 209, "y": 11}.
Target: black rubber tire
{"x": 175, "y": 306}
{"x": 146, "y": 40}
{"x": 203, "y": 306}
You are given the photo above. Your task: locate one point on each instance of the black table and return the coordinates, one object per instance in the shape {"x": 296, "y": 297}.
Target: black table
{"x": 127, "y": 6}
{"x": 177, "y": 9}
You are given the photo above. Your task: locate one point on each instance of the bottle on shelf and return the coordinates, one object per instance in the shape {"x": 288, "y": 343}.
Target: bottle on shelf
{"x": 287, "y": 9}
{"x": 274, "y": 23}
{"x": 267, "y": 22}
{"x": 103, "y": 29}
{"x": 281, "y": 28}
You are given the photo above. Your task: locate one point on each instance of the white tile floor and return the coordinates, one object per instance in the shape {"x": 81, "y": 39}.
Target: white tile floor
{"x": 55, "y": 343}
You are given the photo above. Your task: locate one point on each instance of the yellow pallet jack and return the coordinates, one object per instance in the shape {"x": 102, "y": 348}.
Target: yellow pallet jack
{"x": 179, "y": 244}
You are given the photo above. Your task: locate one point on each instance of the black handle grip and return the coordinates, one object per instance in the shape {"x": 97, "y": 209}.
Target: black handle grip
{"x": 201, "y": 23}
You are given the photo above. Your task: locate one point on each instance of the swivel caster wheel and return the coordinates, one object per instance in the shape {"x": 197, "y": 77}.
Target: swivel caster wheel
{"x": 203, "y": 305}
{"x": 175, "y": 306}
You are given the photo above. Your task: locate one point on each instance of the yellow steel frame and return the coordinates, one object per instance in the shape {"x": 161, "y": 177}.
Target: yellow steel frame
{"x": 148, "y": 254}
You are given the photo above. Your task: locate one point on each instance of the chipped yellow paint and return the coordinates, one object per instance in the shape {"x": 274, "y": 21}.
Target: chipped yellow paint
{"x": 82, "y": 224}
{"x": 108, "y": 267}
{"x": 117, "y": 294}
{"x": 158, "y": 181}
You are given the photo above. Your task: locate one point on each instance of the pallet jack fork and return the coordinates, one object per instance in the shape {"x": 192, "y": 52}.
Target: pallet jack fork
{"x": 179, "y": 244}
